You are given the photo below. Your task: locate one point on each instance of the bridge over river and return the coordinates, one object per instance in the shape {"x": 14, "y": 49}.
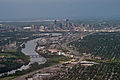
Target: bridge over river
{"x": 34, "y": 56}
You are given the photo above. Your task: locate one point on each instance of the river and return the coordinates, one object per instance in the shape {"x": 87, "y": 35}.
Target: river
{"x": 29, "y": 50}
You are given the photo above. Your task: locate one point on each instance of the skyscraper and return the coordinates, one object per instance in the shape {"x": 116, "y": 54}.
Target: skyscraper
{"x": 55, "y": 22}
{"x": 55, "y": 25}
{"x": 62, "y": 24}
{"x": 67, "y": 23}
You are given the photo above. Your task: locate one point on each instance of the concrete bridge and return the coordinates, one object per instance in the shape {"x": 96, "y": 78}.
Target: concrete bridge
{"x": 34, "y": 56}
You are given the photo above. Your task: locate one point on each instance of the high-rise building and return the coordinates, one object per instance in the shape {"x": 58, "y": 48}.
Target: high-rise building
{"x": 33, "y": 27}
{"x": 55, "y": 25}
{"x": 67, "y": 23}
{"x": 55, "y": 22}
{"x": 62, "y": 24}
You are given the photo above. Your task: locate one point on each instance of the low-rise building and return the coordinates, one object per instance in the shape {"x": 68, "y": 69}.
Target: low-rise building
{"x": 97, "y": 57}
{"x": 52, "y": 50}
{"x": 1, "y": 57}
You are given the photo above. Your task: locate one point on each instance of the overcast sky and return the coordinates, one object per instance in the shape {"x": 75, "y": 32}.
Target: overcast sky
{"x": 58, "y": 8}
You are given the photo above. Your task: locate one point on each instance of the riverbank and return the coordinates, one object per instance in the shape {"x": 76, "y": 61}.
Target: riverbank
{"x": 54, "y": 59}
{"x": 10, "y": 58}
{"x": 29, "y": 47}
{"x": 30, "y": 50}
{"x": 51, "y": 62}
{"x": 36, "y": 67}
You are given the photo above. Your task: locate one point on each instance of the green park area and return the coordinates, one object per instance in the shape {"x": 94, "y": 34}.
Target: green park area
{"x": 12, "y": 59}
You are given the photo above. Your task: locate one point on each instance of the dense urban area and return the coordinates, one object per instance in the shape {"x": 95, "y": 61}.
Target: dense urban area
{"x": 60, "y": 50}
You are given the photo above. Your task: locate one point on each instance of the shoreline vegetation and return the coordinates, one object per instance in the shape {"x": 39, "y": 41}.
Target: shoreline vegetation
{"x": 51, "y": 60}
{"x": 16, "y": 36}
{"x": 35, "y": 66}
{"x": 13, "y": 57}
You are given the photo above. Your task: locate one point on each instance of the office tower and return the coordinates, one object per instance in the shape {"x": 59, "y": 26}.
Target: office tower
{"x": 55, "y": 25}
{"x": 33, "y": 27}
{"x": 62, "y": 24}
{"x": 67, "y": 23}
{"x": 55, "y": 22}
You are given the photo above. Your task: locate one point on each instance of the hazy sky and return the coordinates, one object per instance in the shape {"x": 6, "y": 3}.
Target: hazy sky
{"x": 58, "y": 8}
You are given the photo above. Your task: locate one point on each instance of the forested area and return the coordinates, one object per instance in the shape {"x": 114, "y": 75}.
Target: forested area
{"x": 105, "y": 45}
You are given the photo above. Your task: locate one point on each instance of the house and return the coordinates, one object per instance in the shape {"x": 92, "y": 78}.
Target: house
{"x": 20, "y": 61}
{"x": 30, "y": 79}
{"x": 1, "y": 57}
{"x": 61, "y": 53}
{"x": 98, "y": 58}
{"x": 52, "y": 50}
{"x": 86, "y": 63}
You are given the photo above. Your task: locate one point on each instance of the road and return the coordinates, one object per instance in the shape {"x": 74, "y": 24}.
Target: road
{"x": 76, "y": 53}
{"x": 50, "y": 69}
